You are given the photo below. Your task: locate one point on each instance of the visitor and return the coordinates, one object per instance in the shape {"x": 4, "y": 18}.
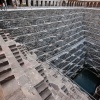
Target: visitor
{"x": 3, "y": 4}
{"x": 14, "y": 4}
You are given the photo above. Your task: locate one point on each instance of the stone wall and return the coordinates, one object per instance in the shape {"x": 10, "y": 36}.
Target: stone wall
{"x": 59, "y": 36}
{"x": 92, "y": 33}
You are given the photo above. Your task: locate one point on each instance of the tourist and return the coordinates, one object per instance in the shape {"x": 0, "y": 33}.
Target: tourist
{"x": 3, "y": 4}
{"x": 14, "y": 4}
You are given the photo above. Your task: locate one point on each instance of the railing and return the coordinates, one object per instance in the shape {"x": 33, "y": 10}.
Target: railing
{"x": 84, "y": 3}
{"x": 65, "y": 3}
{"x": 45, "y": 3}
{"x": 68, "y": 3}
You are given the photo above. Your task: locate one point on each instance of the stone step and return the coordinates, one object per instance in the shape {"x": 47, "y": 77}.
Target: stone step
{"x": 50, "y": 97}
{"x": 63, "y": 87}
{"x": 3, "y": 60}
{"x": 39, "y": 68}
{"x": 45, "y": 94}
{"x": 4, "y": 67}
{"x": 41, "y": 71}
{"x": 14, "y": 49}
{"x": 41, "y": 87}
{"x": 6, "y": 77}
{"x": 21, "y": 63}
{"x": 5, "y": 39}
{"x": 47, "y": 81}
{"x": 17, "y": 57}
{"x": 2, "y": 56}
{"x": 12, "y": 89}
{"x": 43, "y": 75}
{"x": 3, "y": 36}
{"x": 0, "y": 48}
{"x": 4, "y": 63}
{"x": 24, "y": 54}
{"x": 12, "y": 46}
{"x": 14, "y": 52}
{"x": 1, "y": 32}
{"x": 4, "y": 70}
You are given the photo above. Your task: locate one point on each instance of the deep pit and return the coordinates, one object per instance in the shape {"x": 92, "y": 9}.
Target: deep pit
{"x": 65, "y": 38}
{"x": 87, "y": 80}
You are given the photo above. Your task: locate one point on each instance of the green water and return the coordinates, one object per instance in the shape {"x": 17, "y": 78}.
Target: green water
{"x": 87, "y": 80}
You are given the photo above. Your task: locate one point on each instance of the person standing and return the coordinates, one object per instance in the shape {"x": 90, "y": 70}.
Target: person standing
{"x": 3, "y": 4}
{"x": 14, "y": 3}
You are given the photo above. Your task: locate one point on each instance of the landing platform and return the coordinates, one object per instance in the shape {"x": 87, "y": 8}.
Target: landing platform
{"x": 43, "y": 8}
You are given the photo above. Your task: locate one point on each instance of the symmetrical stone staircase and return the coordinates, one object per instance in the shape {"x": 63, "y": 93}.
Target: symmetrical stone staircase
{"x": 9, "y": 80}
{"x": 15, "y": 52}
{"x": 3, "y": 35}
{"x": 42, "y": 73}
{"x": 65, "y": 89}
{"x": 26, "y": 80}
{"x": 8, "y": 84}
{"x": 66, "y": 38}
{"x": 43, "y": 90}
{"x": 5, "y": 70}
{"x": 50, "y": 33}
{"x": 22, "y": 49}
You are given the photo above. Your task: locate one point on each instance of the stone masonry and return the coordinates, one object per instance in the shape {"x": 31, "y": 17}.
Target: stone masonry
{"x": 67, "y": 38}
{"x": 24, "y": 78}
{"x": 92, "y": 34}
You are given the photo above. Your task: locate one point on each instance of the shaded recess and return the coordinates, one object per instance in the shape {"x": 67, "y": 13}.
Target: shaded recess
{"x": 88, "y": 80}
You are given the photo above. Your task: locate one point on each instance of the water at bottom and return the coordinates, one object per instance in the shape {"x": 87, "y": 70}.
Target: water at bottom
{"x": 87, "y": 80}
